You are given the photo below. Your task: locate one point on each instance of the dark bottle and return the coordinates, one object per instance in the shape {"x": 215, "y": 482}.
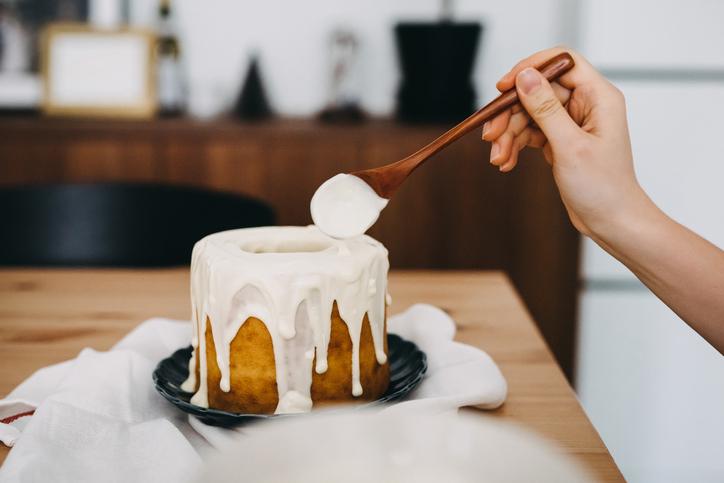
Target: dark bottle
{"x": 171, "y": 87}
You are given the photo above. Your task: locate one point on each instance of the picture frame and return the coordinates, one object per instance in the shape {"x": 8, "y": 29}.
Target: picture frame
{"x": 90, "y": 72}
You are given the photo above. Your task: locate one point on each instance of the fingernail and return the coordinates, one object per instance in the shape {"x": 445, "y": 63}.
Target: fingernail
{"x": 486, "y": 129}
{"x": 494, "y": 152}
{"x": 528, "y": 80}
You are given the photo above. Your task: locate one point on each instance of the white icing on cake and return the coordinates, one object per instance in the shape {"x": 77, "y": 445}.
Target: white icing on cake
{"x": 289, "y": 278}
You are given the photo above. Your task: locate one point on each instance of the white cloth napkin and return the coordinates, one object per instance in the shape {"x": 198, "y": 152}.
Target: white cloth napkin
{"x": 98, "y": 417}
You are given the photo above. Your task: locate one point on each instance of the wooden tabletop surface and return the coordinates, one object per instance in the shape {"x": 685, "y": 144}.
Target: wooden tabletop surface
{"x": 48, "y": 316}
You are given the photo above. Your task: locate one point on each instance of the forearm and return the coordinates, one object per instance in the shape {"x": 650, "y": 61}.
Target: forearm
{"x": 683, "y": 269}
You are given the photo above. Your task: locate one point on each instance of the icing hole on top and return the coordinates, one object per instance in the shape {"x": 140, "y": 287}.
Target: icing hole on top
{"x": 286, "y": 246}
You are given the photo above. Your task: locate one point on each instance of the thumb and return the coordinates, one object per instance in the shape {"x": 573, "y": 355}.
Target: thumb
{"x": 541, "y": 103}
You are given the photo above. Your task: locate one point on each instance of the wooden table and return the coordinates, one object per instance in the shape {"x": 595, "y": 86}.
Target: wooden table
{"x": 48, "y": 316}
{"x": 457, "y": 213}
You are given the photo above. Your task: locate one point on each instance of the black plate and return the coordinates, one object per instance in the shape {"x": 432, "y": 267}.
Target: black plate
{"x": 407, "y": 366}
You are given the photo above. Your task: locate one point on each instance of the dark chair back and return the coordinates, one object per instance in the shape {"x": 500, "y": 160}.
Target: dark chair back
{"x": 116, "y": 225}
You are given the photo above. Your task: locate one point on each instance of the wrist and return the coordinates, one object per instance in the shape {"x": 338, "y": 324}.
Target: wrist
{"x": 628, "y": 230}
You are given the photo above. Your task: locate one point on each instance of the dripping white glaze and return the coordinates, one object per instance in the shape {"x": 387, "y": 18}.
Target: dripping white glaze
{"x": 345, "y": 206}
{"x": 289, "y": 278}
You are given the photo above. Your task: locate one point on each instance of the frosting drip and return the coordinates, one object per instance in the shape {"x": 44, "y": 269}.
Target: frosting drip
{"x": 289, "y": 278}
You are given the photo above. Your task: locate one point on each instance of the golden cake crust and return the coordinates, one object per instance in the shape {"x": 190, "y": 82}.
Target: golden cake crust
{"x": 335, "y": 385}
{"x": 253, "y": 369}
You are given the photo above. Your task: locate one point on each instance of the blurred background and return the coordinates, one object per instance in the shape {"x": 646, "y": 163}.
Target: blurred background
{"x": 269, "y": 99}
{"x": 292, "y": 41}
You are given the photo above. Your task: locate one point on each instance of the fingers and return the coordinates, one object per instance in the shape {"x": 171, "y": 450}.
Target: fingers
{"x": 583, "y": 72}
{"x": 512, "y": 130}
{"x": 530, "y": 137}
{"x": 504, "y": 152}
{"x": 494, "y": 128}
{"x": 542, "y": 105}
{"x": 536, "y": 60}
{"x": 505, "y": 122}
{"x": 521, "y": 126}
{"x": 510, "y": 162}
{"x": 516, "y": 119}
{"x": 500, "y": 151}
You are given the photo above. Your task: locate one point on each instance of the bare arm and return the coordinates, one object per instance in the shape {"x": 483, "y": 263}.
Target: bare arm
{"x": 681, "y": 268}
{"x": 580, "y": 123}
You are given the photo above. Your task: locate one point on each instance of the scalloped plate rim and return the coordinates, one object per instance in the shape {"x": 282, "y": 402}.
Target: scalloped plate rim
{"x": 215, "y": 417}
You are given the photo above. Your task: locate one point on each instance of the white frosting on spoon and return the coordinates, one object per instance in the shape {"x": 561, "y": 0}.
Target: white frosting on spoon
{"x": 345, "y": 206}
{"x": 289, "y": 278}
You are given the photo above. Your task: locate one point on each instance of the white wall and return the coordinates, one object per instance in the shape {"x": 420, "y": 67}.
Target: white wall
{"x": 291, "y": 39}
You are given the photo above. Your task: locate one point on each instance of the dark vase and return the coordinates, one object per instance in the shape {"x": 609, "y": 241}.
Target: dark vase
{"x": 437, "y": 62}
{"x": 252, "y": 103}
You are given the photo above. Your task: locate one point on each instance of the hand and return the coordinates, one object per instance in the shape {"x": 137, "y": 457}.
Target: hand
{"x": 580, "y": 123}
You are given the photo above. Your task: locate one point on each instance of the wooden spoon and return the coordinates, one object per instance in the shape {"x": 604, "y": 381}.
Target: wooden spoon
{"x": 386, "y": 179}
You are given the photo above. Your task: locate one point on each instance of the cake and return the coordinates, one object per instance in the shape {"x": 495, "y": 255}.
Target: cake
{"x": 286, "y": 318}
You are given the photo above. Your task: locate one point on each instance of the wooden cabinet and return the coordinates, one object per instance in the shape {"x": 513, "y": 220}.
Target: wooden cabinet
{"x": 455, "y": 212}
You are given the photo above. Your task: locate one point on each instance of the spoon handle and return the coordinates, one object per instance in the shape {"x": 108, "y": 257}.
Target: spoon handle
{"x": 551, "y": 70}
{"x": 385, "y": 180}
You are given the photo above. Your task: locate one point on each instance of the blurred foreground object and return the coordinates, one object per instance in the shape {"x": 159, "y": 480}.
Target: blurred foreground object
{"x": 391, "y": 446}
